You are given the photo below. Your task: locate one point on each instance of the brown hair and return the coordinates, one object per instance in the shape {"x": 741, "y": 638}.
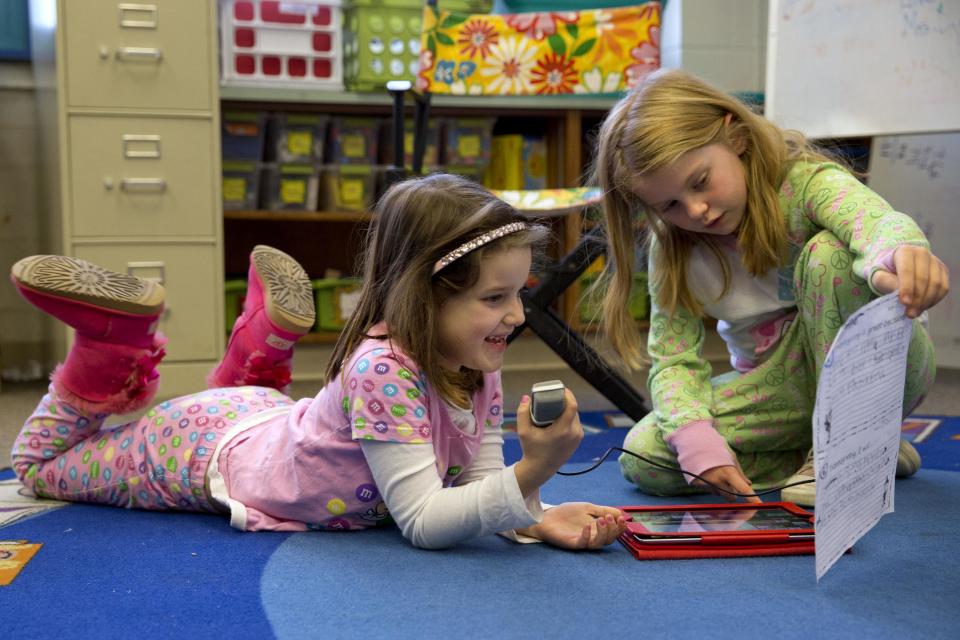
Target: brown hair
{"x": 668, "y": 114}
{"x": 416, "y": 223}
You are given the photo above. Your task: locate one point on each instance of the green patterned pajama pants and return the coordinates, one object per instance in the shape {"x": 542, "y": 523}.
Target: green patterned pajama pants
{"x": 765, "y": 415}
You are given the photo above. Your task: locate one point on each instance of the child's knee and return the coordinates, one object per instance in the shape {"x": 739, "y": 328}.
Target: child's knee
{"x": 26, "y": 469}
{"x": 921, "y": 368}
{"x": 824, "y": 274}
{"x": 646, "y": 439}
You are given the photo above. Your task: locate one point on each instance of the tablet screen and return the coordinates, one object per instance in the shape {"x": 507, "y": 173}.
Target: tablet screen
{"x": 700, "y": 520}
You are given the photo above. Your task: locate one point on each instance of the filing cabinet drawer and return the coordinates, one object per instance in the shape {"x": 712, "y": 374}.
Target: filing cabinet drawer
{"x": 188, "y": 272}
{"x": 155, "y": 55}
{"x": 142, "y": 176}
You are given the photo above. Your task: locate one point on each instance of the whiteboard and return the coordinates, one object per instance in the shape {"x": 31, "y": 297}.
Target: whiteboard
{"x": 840, "y": 68}
{"x": 920, "y": 175}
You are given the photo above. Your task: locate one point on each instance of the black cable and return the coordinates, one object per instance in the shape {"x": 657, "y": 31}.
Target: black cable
{"x": 679, "y": 470}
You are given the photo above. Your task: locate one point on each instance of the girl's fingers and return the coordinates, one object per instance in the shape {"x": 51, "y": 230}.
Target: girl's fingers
{"x": 585, "y": 534}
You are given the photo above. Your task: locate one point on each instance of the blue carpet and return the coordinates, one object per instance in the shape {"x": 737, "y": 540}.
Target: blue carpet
{"x": 937, "y": 439}
{"x": 106, "y": 572}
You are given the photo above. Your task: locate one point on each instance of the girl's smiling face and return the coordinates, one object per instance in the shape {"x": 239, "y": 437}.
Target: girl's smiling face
{"x": 475, "y": 323}
{"x": 703, "y": 191}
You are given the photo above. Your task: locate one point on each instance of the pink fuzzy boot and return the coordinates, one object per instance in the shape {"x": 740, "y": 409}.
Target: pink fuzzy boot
{"x": 111, "y": 367}
{"x": 278, "y": 309}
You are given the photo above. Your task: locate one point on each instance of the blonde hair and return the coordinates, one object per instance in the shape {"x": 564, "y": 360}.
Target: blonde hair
{"x": 416, "y": 223}
{"x": 668, "y": 114}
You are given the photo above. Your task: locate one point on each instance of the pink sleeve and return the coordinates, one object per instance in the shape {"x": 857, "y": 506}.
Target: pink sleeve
{"x": 699, "y": 447}
{"x": 384, "y": 399}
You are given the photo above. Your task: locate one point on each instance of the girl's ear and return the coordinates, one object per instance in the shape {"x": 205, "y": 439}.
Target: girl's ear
{"x": 738, "y": 141}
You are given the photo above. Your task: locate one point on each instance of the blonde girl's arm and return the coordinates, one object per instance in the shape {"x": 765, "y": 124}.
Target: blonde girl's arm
{"x": 679, "y": 383}
{"x": 825, "y": 196}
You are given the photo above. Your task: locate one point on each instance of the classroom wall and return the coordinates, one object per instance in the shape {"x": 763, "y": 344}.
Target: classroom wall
{"x": 25, "y": 332}
{"x": 723, "y": 42}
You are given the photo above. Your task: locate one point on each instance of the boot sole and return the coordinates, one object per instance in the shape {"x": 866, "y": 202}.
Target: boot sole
{"x": 76, "y": 279}
{"x": 287, "y": 292}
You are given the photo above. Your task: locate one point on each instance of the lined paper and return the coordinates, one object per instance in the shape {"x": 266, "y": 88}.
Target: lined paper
{"x": 857, "y": 421}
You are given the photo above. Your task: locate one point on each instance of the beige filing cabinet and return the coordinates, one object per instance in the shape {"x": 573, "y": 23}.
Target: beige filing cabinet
{"x": 129, "y": 106}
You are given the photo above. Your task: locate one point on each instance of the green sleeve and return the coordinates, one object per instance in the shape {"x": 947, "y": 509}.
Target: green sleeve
{"x": 679, "y": 378}
{"x": 826, "y": 196}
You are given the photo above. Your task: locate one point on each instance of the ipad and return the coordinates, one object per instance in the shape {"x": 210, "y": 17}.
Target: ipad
{"x": 683, "y": 522}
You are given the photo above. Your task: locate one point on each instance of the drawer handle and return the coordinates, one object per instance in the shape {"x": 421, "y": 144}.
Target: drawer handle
{"x": 148, "y": 19}
{"x": 141, "y": 146}
{"x": 155, "y": 271}
{"x": 158, "y": 185}
{"x": 139, "y": 53}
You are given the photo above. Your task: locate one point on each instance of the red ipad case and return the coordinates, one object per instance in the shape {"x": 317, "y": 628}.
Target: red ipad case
{"x": 718, "y": 531}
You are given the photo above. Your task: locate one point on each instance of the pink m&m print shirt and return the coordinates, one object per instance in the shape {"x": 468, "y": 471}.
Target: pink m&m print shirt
{"x": 304, "y": 467}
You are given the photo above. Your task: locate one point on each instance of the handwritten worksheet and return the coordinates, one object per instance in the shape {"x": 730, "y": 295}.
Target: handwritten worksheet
{"x": 856, "y": 431}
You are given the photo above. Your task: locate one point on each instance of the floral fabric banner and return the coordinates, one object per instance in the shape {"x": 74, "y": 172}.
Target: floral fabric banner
{"x": 557, "y": 52}
{"x": 551, "y": 201}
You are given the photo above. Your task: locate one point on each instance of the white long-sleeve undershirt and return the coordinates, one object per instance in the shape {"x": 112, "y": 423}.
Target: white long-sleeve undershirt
{"x": 485, "y": 499}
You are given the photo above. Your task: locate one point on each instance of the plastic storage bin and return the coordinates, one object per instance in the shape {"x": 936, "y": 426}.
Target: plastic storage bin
{"x": 296, "y": 137}
{"x": 281, "y": 44}
{"x": 468, "y": 141}
{"x": 336, "y": 299}
{"x": 431, "y": 152}
{"x": 242, "y": 135}
{"x": 290, "y": 187}
{"x": 381, "y": 39}
{"x": 241, "y": 184}
{"x": 235, "y": 292}
{"x": 347, "y": 187}
{"x": 590, "y": 301}
{"x": 353, "y": 140}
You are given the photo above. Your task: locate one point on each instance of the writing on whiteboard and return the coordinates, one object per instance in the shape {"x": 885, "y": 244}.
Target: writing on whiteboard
{"x": 922, "y": 18}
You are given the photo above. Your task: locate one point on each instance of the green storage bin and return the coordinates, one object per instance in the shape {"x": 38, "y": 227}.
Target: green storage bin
{"x": 290, "y": 187}
{"x": 235, "y": 292}
{"x": 347, "y": 187}
{"x": 591, "y": 301}
{"x": 336, "y": 299}
{"x": 381, "y": 39}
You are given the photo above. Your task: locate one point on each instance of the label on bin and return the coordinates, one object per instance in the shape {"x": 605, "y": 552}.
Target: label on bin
{"x": 468, "y": 146}
{"x": 348, "y": 303}
{"x": 247, "y": 129}
{"x": 234, "y": 189}
{"x": 351, "y": 192}
{"x": 353, "y": 145}
{"x": 300, "y": 143}
{"x": 293, "y": 191}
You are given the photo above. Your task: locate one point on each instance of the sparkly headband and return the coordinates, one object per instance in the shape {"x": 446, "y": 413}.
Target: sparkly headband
{"x": 478, "y": 242}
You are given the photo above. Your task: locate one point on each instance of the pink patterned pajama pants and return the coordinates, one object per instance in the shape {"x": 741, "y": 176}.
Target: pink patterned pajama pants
{"x": 157, "y": 462}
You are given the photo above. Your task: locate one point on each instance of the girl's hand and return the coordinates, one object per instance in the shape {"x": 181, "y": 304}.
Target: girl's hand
{"x": 579, "y": 525}
{"x": 727, "y": 477}
{"x": 921, "y": 277}
{"x": 545, "y": 449}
